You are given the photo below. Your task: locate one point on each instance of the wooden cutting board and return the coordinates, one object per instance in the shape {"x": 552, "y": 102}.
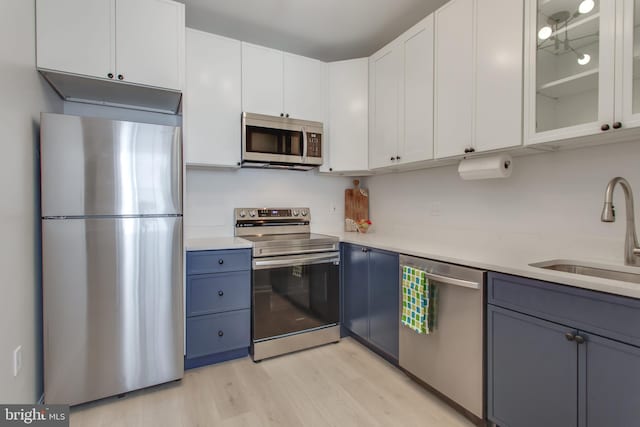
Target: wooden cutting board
{"x": 356, "y": 205}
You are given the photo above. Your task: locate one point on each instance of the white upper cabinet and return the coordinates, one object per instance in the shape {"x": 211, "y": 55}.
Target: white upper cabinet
{"x": 499, "y": 74}
{"x": 262, "y": 80}
{"x": 454, "y": 100}
{"x": 135, "y": 41}
{"x": 479, "y": 76}
{"x": 305, "y": 88}
{"x": 416, "y": 130}
{"x": 384, "y": 74}
{"x": 150, "y": 42}
{"x": 212, "y": 100}
{"x": 348, "y": 116}
{"x": 77, "y": 36}
{"x": 282, "y": 84}
{"x": 570, "y": 82}
{"x": 401, "y": 99}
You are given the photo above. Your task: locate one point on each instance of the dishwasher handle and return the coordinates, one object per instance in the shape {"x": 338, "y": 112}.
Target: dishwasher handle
{"x": 452, "y": 281}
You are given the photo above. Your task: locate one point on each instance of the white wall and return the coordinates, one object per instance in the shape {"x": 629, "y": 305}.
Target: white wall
{"x": 24, "y": 94}
{"x": 212, "y": 195}
{"x": 552, "y": 201}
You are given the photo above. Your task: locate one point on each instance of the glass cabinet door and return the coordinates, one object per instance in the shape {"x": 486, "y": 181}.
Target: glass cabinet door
{"x": 573, "y": 49}
{"x": 630, "y": 88}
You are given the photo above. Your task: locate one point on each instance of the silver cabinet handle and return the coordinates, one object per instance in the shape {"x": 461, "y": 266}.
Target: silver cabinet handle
{"x": 452, "y": 281}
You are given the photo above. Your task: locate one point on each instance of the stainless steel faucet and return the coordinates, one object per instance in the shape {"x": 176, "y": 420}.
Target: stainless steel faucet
{"x": 631, "y": 248}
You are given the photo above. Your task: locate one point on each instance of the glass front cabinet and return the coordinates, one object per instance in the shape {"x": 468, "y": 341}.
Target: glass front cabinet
{"x": 583, "y": 68}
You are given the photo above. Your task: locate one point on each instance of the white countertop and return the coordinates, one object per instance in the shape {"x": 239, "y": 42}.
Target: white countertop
{"x": 499, "y": 254}
{"x": 216, "y": 243}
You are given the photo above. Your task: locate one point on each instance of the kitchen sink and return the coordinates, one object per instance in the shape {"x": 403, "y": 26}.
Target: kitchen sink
{"x": 624, "y": 274}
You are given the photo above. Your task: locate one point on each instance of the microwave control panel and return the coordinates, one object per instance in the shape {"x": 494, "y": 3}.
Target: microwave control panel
{"x": 314, "y": 144}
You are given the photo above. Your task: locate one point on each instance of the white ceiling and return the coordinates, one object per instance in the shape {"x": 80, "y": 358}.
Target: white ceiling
{"x": 329, "y": 30}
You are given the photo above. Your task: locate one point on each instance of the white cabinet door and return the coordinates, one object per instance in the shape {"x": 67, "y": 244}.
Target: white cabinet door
{"x": 348, "y": 115}
{"x": 454, "y": 78}
{"x": 384, "y": 75}
{"x": 416, "y": 131}
{"x": 150, "y": 42}
{"x": 212, "y": 103}
{"x": 499, "y": 56}
{"x": 304, "y": 88}
{"x": 262, "y": 80}
{"x": 76, "y": 36}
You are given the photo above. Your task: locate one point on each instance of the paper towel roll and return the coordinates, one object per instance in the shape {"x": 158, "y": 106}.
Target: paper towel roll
{"x": 498, "y": 166}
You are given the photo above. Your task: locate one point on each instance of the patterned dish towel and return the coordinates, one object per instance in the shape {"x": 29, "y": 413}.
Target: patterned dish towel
{"x": 419, "y": 301}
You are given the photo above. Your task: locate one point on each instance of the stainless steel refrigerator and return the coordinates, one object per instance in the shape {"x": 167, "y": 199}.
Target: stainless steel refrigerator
{"x": 112, "y": 256}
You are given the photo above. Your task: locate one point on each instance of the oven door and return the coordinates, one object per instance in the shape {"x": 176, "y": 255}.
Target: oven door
{"x": 295, "y": 293}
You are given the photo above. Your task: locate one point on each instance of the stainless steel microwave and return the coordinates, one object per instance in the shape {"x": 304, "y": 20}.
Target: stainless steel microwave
{"x": 279, "y": 142}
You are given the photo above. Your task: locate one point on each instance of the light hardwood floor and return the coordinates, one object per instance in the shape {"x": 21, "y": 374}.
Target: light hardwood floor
{"x": 341, "y": 384}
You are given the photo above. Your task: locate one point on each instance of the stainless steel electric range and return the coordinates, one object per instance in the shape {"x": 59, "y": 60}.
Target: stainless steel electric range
{"x": 296, "y": 281}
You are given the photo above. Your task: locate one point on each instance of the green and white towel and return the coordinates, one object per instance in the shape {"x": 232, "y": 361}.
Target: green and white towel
{"x": 419, "y": 301}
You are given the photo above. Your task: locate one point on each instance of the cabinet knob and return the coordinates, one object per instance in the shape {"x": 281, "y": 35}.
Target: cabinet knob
{"x": 220, "y": 261}
{"x": 392, "y": 159}
{"x": 220, "y": 293}
{"x": 120, "y": 77}
{"x": 287, "y": 115}
{"x": 220, "y": 333}
{"x": 605, "y": 127}
{"x": 569, "y": 336}
{"x": 579, "y": 339}
{"x": 238, "y": 163}
{"x": 397, "y": 157}
{"x": 110, "y": 75}
{"x": 281, "y": 114}
{"x": 617, "y": 125}
{"x": 330, "y": 169}
{"x": 469, "y": 150}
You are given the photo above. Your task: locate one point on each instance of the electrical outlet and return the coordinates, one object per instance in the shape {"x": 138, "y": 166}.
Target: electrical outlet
{"x": 332, "y": 208}
{"x": 17, "y": 360}
{"x": 435, "y": 209}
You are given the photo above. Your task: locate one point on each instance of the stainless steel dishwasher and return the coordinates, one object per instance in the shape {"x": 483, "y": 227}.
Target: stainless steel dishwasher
{"x": 450, "y": 360}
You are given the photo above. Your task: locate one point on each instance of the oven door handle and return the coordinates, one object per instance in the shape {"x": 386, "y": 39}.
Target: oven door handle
{"x": 452, "y": 281}
{"x": 263, "y": 264}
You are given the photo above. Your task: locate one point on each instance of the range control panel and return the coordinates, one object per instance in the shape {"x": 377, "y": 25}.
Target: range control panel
{"x": 271, "y": 214}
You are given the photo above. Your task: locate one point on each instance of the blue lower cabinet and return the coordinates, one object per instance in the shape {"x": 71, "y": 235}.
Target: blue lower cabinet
{"x": 610, "y": 390}
{"x": 370, "y": 289}
{"x": 218, "y": 299}
{"x": 384, "y": 307}
{"x": 355, "y": 301}
{"x": 548, "y": 361}
{"x": 533, "y": 371}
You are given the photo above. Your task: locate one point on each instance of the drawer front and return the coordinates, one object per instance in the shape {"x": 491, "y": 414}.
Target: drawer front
{"x": 203, "y": 262}
{"x": 603, "y": 314}
{"x": 215, "y": 293}
{"x": 215, "y": 333}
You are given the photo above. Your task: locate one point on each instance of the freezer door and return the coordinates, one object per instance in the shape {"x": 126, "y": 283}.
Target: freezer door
{"x": 113, "y": 311}
{"x": 94, "y": 166}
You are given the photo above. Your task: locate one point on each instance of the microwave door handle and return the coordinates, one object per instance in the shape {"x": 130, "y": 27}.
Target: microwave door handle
{"x": 305, "y": 143}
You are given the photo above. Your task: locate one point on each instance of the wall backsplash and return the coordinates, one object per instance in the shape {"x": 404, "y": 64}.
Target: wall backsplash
{"x": 211, "y": 196}
{"x": 551, "y": 199}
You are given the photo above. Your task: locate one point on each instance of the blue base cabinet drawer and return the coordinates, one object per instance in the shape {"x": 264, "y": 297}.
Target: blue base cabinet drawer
{"x": 214, "y": 293}
{"x": 204, "y": 262}
{"x": 217, "y": 333}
